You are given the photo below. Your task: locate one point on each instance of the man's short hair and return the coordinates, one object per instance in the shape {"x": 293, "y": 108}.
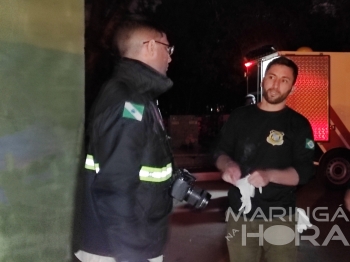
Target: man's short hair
{"x": 282, "y": 60}
{"x": 127, "y": 26}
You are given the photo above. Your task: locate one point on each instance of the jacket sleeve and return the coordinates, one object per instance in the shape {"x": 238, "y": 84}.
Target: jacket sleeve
{"x": 119, "y": 147}
{"x": 303, "y": 153}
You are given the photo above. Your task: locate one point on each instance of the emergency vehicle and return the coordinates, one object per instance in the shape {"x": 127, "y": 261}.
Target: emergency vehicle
{"x": 322, "y": 95}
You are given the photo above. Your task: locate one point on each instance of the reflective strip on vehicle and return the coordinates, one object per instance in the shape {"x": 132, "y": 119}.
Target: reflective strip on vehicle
{"x": 91, "y": 165}
{"x": 156, "y": 174}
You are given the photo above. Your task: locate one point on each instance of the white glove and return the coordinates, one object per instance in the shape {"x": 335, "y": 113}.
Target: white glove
{"x": 303, "y": 220}
{"x": 247, "y": 191}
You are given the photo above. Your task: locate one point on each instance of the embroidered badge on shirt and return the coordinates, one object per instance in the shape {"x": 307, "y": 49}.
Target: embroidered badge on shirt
{"x": 309, "y": 144}
{"x": 275, "y": 138}
{"x": 133, "y": 111}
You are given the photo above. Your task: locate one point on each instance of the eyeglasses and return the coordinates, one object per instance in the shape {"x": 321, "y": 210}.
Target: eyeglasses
{"x": 169, "y": 48}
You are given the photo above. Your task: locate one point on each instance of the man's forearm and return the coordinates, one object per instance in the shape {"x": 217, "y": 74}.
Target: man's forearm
{"x": 287, "y": 177}
{"x": 261, "y": 178}
{"x": 230, "y": 169}
{"x": 222, "y": 162}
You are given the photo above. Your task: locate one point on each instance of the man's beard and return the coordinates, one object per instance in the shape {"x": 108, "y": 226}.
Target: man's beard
{"x": 276, "y": 99}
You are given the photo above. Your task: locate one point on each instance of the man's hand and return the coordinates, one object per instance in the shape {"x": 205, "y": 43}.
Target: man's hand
{"x": 231, "y": 173}
{"x": 230, "y": 169}
{"x": 259, "y": 178}
{"x": 347, "y": 199}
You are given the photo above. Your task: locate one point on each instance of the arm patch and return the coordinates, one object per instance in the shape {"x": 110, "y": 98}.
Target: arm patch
{"x": 133, "y": 111}
{"x": 309, "y": 144}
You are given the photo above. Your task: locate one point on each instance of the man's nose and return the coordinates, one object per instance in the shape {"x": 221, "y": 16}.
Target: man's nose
{"x": 276, "y": 83}
{"x": 169, "y": 59}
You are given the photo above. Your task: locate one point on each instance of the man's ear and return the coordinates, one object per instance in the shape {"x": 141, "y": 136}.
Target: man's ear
{"x": 292, "y": 90}
{"x": 151, "y": 48}
{"x": 262, "y": 82}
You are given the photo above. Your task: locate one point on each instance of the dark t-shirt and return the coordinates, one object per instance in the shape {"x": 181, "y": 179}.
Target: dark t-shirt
{"x": 258, "y": 139}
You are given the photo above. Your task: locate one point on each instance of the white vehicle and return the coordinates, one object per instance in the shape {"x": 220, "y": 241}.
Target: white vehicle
{"x": 322, "y": 95}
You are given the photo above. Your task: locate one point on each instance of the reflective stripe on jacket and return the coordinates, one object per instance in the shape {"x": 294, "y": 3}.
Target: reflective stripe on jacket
{"x": 150, "y": 174}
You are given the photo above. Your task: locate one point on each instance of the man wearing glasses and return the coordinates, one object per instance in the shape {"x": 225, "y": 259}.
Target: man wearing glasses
{"x": 128, "y": 167}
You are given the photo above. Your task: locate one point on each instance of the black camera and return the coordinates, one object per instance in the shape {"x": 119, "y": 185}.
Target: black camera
{"x": 183, "y": 189}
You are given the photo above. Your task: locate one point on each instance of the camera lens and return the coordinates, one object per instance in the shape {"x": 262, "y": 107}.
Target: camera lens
{"x": 198, "y": 197}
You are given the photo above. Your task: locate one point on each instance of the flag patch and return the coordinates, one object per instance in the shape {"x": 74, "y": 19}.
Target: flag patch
{"x": 133, "y": 111}
{"x": 309, "y": 144}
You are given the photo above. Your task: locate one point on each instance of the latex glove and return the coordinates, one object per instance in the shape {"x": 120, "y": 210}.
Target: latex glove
{"x": 247, "y": 191}
{"x": 303, "y": 220}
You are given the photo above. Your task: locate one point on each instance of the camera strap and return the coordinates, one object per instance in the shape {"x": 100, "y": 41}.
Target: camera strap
{"x": 160, "y": 120}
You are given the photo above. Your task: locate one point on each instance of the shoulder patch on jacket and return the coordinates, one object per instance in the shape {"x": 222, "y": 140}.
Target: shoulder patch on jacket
{"x": 309, "y": 144}
{"x": 133, "y": 111}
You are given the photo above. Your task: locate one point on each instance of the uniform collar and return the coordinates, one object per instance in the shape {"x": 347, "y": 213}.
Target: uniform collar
{"x": 143, "y": 77}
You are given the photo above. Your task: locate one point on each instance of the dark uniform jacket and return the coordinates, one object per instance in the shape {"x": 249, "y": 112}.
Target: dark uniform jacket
{"x": 128, "y": 167}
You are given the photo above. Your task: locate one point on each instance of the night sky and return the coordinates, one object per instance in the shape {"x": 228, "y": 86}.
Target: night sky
{"x": 212, "y": 38}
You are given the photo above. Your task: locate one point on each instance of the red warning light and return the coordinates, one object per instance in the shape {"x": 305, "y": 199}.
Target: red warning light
{"x": 248, "y": 64}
